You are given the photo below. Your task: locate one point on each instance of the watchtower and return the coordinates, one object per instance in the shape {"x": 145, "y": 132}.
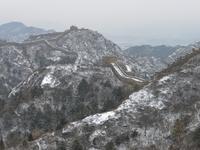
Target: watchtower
{"x": 106, "y": 60}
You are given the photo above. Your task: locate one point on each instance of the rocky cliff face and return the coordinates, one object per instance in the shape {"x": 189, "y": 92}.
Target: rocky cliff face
{"x": 146, "y": 120}
{"x": 18, "y": 32}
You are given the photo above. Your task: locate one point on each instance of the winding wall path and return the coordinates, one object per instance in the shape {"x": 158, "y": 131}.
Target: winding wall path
{"x": 123, "y": 76}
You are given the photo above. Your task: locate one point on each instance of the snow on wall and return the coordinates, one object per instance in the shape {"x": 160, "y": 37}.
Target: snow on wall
{"x": 118, "y": 70}
{"x": 123, "y": 74}
{"x": 164, "y": 79}
{"x": 128, "y": 68}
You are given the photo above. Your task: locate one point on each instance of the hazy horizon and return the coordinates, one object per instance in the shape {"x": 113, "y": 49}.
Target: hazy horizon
{"x": 153, "y": 19}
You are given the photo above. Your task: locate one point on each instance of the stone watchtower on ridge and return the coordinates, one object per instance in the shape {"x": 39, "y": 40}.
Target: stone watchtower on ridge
{"x": 106, "y": 60}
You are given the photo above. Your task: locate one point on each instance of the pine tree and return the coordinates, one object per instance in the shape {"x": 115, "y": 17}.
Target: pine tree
{"x": 1, "y": 144}
{"x": 178, "y": 129}
{"x": 76, "y": 145}
{"x": 110, "y": 146}
{"x": 61, "y": 145}
{"x": 24, "y": 144}
{"x": 134, "y": 134}
{"x": 30, "y": 137}
{"x": 196, "y": 137}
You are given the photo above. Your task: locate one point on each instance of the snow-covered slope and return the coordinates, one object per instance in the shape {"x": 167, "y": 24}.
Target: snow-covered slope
{"x": 92, "y": 46}
{"x": 182, "y": 52}
{"x": 66, "y": 75}
{"x": 150, "y": 112}
{"x": 60, "y": 86}
{"x": 54, "y": 90}
{"x": 20, "y": 60}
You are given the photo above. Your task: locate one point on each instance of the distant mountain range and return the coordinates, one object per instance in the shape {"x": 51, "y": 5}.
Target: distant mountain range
{"x": 167, "y": 54}
{"x": 125, "y": 42}
{"x": 18, "y": 32}
{"x": 161, "y": 51}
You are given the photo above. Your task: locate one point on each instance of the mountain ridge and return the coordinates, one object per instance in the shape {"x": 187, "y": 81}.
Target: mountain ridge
{"x": 54, "y": 91}
{"x": 161, "y": 51}
{"x": 18, "y": 32}
{"x": 182, "y": 52}
{"x": 147, "y": 116}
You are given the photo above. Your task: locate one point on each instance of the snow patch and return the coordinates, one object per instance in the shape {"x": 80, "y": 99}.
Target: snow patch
{"x": 52, "y": 80}
{"x": 101, "y": 118}
{"x": 97, "y": 119}
{"x": 141, "y": 96}
{"x": 71, "y": 126}
{"x": 14, "y": 129}
{"x": 96, "y": 134}
{"x": 164, "y": 79}
{"x": 158, "y": 105}
{"x": 128, "y": 68}
{"x": 49, "y": 79}
{"x": 54, "y": 58}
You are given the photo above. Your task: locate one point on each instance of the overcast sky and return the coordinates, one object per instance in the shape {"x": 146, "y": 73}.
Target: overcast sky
{"x": 150, "y": 18}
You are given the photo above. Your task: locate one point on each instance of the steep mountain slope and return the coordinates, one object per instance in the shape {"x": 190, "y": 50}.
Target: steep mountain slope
{"x": 182, "y": 51}
{"x": 145, "y": 66}
{"x": 53, "y": 88}
{"x": 19, "y": 60}
{"x": 148, "y": 119}
{"x": 18, "y": 32}
{"x": 53, "y": 91}
{"x": 92, "y": 46}
{"x": 59, "y": 91}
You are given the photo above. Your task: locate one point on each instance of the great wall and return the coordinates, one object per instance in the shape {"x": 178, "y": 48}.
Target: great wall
{"x": 107, "y": 61}
{"x": 119, "y": 72}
